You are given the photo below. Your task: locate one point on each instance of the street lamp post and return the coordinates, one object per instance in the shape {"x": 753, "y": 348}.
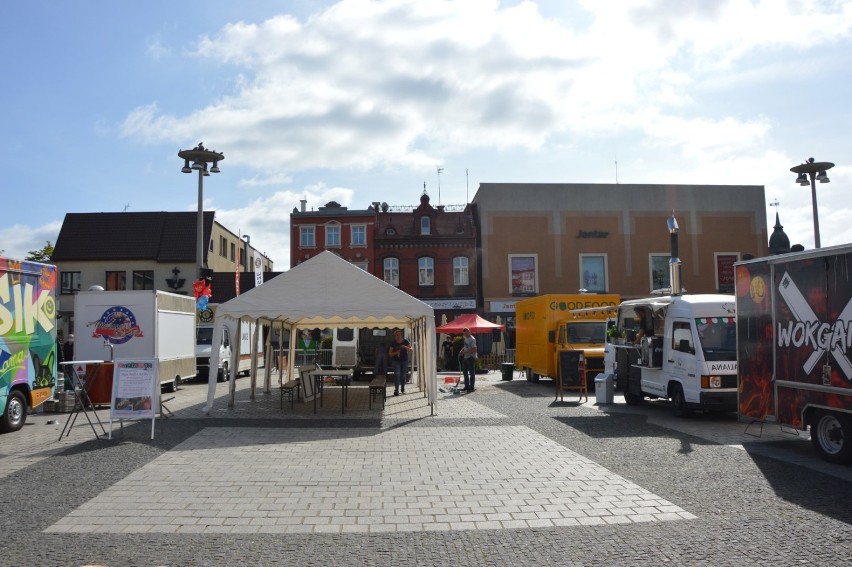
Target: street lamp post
{"x": 200, "y": 157}
{"x": 245, "y": 261}
{"x": 810, "y": 172}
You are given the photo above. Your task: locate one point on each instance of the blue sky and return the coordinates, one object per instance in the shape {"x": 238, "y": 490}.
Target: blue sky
{"x": 359, "y": 101}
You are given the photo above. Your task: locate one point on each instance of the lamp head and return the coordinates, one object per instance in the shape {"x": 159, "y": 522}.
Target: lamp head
{"x": 186, "y": 168}
{"x": 822, "y": 177}
{"x": 215, "y": 168}
{"x": 802, "y": 179}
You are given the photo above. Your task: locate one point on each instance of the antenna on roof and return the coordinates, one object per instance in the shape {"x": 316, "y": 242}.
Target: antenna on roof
{"x": 127, "y": 206}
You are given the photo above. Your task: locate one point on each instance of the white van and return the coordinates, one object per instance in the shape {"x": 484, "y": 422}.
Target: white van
{"x": 682, "y": 348}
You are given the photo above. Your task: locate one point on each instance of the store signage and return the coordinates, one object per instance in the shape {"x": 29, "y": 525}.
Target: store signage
{"x": 450, "y": 303}
{"x": 502, "y": 306}
{"x": 592, "y": 233}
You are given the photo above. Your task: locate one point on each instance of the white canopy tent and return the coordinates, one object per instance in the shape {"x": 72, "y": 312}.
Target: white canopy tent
{"x": 325, "y": 292}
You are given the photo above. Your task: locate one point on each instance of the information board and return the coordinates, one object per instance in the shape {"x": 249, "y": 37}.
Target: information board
{"x": 572, "y": 374}
{"x": 569, "y": 369}
{"x": 135, "y": 390}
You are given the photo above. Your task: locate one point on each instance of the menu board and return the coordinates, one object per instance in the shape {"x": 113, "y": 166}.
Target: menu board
{"x": 135, "y": 390}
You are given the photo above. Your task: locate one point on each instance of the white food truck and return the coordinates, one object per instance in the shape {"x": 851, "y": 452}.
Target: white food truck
{"x": 138, "y": 324}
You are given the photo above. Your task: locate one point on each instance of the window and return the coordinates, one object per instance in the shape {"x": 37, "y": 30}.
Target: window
{"x": 359, "y": 235}
{"x": 69, "y": 282}
{"x": 143, "y": 279}
{"x": 523, "y": 274}
{"x": 116, "y": 281}
{"x": 332, "y": 236}
{"x": 223, "y": 247}
{"x": 460, "y": 272}
{"x": 233, "y": 252}
{"x": 659, "y": 266}
{"x": 363, "y": 265}
{"x": 391, "y": 270}
{"x": 725, "y": 271}
{"x": 593, "y": 272}
{"x": 306, "y": 237}
{"x": 425, "y": 225}
{"x": 426, "y": 271}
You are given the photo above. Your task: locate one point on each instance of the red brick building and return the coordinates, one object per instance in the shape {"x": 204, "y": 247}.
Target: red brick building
{"x": 428, "y": 252}
{"x": 333, "y": 227}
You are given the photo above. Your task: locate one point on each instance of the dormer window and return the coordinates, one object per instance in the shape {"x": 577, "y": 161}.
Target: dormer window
{"x": 425, "y": 225}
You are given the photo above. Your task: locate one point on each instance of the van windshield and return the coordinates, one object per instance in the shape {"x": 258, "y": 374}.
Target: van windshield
{"x": 587, "y": 332}
{"x": 204, "y": 336}
{"x": 718, "y": 336}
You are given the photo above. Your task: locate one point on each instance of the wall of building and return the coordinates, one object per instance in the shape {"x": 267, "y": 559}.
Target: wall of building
{"x": 558, "y": 223}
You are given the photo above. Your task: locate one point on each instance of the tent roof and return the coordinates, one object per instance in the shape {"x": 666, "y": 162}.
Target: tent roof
{"x": 327, "y": 291}
{"x": 472, "y": 321}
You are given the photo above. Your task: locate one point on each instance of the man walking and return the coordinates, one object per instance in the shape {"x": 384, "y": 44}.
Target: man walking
{"x": 469, "y": 360}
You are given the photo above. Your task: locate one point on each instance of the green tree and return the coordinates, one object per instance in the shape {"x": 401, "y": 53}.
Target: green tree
{"x": 42, "y": 255}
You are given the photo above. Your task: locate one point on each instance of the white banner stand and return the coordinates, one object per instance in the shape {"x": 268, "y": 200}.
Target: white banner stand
{"x": 135, "y": 391}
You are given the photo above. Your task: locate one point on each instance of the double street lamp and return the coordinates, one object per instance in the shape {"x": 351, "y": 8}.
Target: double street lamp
{"x": 200, "y": 157}
{"x": 809, "y": 172}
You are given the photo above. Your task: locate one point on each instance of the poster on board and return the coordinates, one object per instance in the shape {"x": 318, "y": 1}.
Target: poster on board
{"x": 135, "y": 390}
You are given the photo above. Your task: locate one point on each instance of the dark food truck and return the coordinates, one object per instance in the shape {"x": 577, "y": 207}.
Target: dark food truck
{"x": 794, "y": 333}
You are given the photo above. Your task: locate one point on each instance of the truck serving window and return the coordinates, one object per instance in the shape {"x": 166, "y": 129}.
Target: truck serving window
{"x": 682, "y": 337}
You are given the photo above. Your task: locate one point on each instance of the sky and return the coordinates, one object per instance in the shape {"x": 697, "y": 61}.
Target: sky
{"x": 359, "y": 101}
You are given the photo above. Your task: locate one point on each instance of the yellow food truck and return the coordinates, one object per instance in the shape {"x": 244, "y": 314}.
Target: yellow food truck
{"x": 549, "y": 324}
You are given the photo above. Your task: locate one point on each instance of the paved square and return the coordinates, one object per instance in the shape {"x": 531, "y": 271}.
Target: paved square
{"x": 312, "y": 480}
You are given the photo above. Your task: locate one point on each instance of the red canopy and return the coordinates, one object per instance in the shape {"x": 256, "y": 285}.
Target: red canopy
{"x": 472, "y": 321}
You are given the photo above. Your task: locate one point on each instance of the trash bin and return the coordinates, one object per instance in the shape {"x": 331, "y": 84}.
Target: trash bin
{"x": 508, "y": 369}
{"x": 604, "y": 389}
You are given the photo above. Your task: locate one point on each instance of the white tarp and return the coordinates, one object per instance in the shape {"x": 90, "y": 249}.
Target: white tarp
{"x": 324, "y": 292}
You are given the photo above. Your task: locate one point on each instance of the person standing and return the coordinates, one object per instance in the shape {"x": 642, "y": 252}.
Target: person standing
{"x": 398, "y": 351}
{"x": 447, "y": 349}
{"x": 68, "y": 349}
{"x": 469, "y": 354}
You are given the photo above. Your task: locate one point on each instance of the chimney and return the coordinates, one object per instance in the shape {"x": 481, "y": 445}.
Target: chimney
{"x": 304, "y": 203}
{"x": 674, "y": 262}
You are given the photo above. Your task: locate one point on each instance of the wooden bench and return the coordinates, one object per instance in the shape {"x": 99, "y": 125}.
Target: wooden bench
{"x": 290, "y": 390}
{"x": 378, "y": 390}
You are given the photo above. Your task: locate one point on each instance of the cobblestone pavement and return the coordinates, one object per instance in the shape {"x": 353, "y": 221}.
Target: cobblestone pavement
{"x": 505, "y": 475}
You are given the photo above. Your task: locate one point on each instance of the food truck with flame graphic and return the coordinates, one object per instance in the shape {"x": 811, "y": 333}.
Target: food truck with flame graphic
{"x": 794, "y": 343}
{"x": 28, "y": 346}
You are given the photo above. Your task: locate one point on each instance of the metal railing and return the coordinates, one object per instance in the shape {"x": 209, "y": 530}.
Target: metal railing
{"x": 491, "y": 361}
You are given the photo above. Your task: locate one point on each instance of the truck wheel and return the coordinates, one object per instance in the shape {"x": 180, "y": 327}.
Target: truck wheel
{"x": 223, "y": 375}
{"x": 679, "y": 406}
{"x": 632, "y": 399}
{"x": 531, "y": 376}
{"x": 173, "y": 385}
{"x": 15, "y": 413}
{"x": 831, "y": 435}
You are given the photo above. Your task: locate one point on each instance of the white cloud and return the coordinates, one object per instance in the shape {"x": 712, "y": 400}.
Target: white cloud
{"x": 267, "y": 220}
{"x": 20, "y": 239}
{"x": 404, "y": 84}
